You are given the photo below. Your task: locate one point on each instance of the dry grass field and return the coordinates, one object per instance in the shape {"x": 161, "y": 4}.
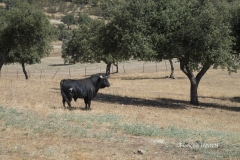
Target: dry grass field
{"x": 140, "y": 116}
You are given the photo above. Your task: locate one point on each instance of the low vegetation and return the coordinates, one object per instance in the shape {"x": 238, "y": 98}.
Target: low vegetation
{"x": 107, "y": 127}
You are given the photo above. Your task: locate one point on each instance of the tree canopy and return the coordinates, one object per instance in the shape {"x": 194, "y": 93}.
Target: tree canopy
{"x": 83, "y": 45}
{"x": 68, "y": 20}
{"x": 26, "y": 35}
{"x": 199, "y": 33}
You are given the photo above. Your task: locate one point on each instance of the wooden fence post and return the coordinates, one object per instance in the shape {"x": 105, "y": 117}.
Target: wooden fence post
{"x": 28, "y": 74}
{"x": 69, "y": 73}
{"x": 166, "y": 67}
{"x": 85, "y": 71}
{"x": 41, "y": 75}
{"x": 123, "y": 69}
{"x": 6, "y": 72}
{"x": 55, "y": 74}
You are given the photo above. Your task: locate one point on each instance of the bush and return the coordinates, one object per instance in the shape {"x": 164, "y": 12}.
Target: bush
{"x": 94, "y": 2}
{"x": 83, "y": 18}
{"x": 96, "y": 11}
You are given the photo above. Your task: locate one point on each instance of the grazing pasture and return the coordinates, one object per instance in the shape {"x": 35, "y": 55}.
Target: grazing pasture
{"x": 142, "y": 115}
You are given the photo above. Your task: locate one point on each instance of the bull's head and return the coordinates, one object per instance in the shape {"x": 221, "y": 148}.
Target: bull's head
{"x": 104, "y": 81}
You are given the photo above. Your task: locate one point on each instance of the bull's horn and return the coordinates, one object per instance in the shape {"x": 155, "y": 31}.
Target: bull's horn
{"x": 101, "y": 76}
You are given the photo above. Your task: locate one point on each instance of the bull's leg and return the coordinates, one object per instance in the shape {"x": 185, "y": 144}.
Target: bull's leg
{"x": 63, "y": 101}
{"x": 86, "y": 103}
{"x": 89, "y": 104}
{"x": 69, "y": 105}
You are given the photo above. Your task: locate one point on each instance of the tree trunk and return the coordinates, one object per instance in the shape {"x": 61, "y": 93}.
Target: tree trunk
{"x": 194, "y": 80}
{"x": 172, "y": 69}
{"x": 108, "y": 69}
{"x": 116, "y": 64}
{"x": 3, "y": 59}
{"x": 24, "y": 70}
{"x": 193, "y": 91}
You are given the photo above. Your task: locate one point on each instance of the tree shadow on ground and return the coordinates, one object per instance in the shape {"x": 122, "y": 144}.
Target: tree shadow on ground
{"x": 160, "y": 102}
{"x": 235, "y": 99}
{"x": 60, "y": 64}
{"x": 142, "y": 78}
{"x": 219, "y": 106}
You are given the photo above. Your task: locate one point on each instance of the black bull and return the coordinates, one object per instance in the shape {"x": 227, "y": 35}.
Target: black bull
{"x": 84, "y": 88}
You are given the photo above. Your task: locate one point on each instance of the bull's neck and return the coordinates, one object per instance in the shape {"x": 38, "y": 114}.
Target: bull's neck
{"x": 97, "y": 86}
{"x": 96, "y": 82}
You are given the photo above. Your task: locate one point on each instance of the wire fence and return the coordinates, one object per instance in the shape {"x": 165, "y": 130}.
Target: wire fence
{"x": 73, "y": 71}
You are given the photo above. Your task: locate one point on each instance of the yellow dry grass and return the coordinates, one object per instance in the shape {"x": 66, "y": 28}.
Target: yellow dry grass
{"x": 139, "y": 97}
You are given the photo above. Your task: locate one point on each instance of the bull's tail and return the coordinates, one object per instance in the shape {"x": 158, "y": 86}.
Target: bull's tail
{"x": 64, "y": 96}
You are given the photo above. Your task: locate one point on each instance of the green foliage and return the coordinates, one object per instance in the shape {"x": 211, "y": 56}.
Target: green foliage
{"x": 63, "y": 33}
{"x": 61, "y": 26}
{"x": 12, "y": 3}
{"x": 27, "y": 34}
{"x": 83, "y": 18}
{"x": 128, "y": 32}
{"x": 198, "y": 33}
{"x": 201, "y": 35}
{"x": 83, "y": 45}
{"x": 235, "y": 22}
{"x": 69, "y": 20}
{"x": 2, "y": 20}
{"x": 95, "y": 11}
{"x": 95, "y": 2}
{"x": 81, "y": 1}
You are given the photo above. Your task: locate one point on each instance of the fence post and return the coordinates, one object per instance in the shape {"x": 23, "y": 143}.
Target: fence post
{"x": 166, "y": 67}
{"x": 85, "y": 71}
{"x": 6, "y": 72}
{"x": 11, "y": 95}
{"x": 55, "y": 73}
{"x": 69, "y": 73}
{"x": 143, "y": 67}
{"x": 29, "y": 74}
{"x": 41, "y": 75}
{"x": 100, "y": 70}
{"x": 17, "y": 73}
{"x": 123, "y": 69}
{"x": 156, "y": 67}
